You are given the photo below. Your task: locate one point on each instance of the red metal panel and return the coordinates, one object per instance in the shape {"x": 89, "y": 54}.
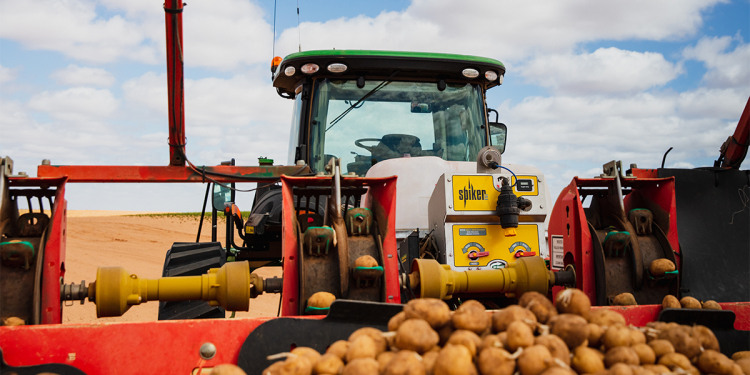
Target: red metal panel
{"x": 382, "y": 190}
{"x": 127, "y": 173}
{"x": 175, "y": 81}
{"x": 54, "y": 261}
{"x": 642, "y": 314}
{"x": 166, "y": 347}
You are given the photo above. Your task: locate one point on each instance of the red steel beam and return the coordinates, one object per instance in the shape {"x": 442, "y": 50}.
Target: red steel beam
{"x": 127, "y": 173}
{"x": 735, "y": 148}
{"x": 175, "y": 81}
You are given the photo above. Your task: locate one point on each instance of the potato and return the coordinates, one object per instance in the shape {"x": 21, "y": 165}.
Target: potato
{"x": 706, "y": 337}
{"x": 534, "y": 360}
{"x": 339, "y": 348}
{"x": 621, "y": 354}
{"x": 616, "y": 336}
{"x": 321, "y": 300}
{"x": 557, "y": 371}
{"x": 740, "y": 355}
{"x": 375, "y": 334}
{"x": 711, "y": 305}
{"x": 432, "y": 310}
{"x": 624, "y": 299}
{"x": 466, "y": 338}
{"x": 658, "y": 369}
{"x": 646, "y": 355}
{"x": 416, "y": 335}
{"x": 503, "y": 337}
{"x": 365, "y": 261}
{"x": 539, "y": 305}
{"x": 299, "y": 365}
{"x": 405, "y": 362}
{"x": 661, "y": 347}
{"x": 383, "y": 359}
{"x": 639, "y": 370}
{"x": 472, "y": 316}
{"x": 605, "y": 317}
{"x": 445, "y": 333}
{"x": 572, "y": 329}
{"x": 274, "y": 368}
{"x": 14, "y": 321}
{"x": 713, "y": 362}
{"x": 620, "y": 369}
{"x": 556, "y": 346}
{"x": 454, "y": 360}
{"x": 690, "y": 303}
{"x": 586, "y": 360}
{"x": 670, "y": 302}
{"x": 491, "y": 341}
{"x": 428, "y": 361}
{"x": 743, "y": 364}
{"x": 595, "y": 335}
{"x": 502, "y": 318}
{"x": 496, "y": 361}
{"x": 362, "y": 366}
{"x": 519, "y": 336}
{"x": 636, "y": 336}
{"x": 310, "y": 353}
{"x": 329, "y": 364}
{"x": 396, "y": 321}
{"x": 674, "y": 360}
{"x": 683, "y": 340}
{"x": 659, "y": 267}
{"x": 227, "y": 369}
{"x": 573, "y": 301}
{"x": 362, "y": 347}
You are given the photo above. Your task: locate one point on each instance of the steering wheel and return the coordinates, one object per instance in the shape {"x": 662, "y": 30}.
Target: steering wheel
{"x": 358, "y": 143}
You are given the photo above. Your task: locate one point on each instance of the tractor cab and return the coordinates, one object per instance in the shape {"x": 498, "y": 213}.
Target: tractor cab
{"x": 365, "y": 107}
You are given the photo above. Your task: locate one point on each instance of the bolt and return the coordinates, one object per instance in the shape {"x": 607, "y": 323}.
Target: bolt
{"x": 207, "y": 351}
{"x": 46, "y": 162}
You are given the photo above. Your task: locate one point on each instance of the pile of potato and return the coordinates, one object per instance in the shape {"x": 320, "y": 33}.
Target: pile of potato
{"x": 534, "y": 337}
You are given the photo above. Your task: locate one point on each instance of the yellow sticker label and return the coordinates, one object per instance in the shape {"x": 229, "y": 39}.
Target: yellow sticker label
{"x": 486, "y": 244}
{"x": 250, "y": 230}
{"x": 479, "y": 193}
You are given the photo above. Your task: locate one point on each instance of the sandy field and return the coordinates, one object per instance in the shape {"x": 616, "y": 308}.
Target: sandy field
{"x": 139, "y": 244}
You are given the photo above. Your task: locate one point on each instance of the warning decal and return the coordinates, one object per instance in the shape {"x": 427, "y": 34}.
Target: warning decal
{"x": 557, "y": 253}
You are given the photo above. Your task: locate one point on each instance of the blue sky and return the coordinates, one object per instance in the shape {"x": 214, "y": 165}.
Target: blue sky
{"x": 82, "y": 82}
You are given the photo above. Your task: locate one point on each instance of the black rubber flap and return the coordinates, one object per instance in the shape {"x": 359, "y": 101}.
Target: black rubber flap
{"x": 713, "y": 224}
{"x": 54, "y": 368}
{"x": 283, "y": 334}
{"x": 721, "y": 322}
{"x": 191, "y": 259}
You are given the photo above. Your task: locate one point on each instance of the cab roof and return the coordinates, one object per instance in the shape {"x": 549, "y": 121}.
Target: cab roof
{"x": 370, "y": 64}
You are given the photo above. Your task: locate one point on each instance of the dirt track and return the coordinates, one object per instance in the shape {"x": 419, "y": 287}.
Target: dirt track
{"x": 138, "y": 244}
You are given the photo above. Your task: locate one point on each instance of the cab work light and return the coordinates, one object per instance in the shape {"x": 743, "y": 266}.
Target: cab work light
{"x": 470, "y": 73}
{"x": 337, "y": 68}
{"x": 310, "y": 68}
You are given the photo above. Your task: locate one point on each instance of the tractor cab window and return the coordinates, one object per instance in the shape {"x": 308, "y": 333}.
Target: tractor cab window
{"x": 363, "y": 126}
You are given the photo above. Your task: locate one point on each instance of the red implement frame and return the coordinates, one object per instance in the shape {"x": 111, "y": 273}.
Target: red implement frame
{"x": 568, "y": 220}
{"x": 382, "y": 196}
{"x": 54, "y": 251}
{"x": 118, "y": 173}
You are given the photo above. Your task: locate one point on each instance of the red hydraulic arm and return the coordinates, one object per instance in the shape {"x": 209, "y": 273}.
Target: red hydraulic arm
{"x": 175, "y": 81}
{"x": 734, "y": 150}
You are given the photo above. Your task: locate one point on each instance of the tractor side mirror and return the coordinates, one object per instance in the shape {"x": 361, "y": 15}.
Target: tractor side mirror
{"x": 221, "y": 195}
{"x": 498, "y": 131}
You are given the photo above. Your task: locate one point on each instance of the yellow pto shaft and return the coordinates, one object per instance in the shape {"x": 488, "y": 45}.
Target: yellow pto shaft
{"x": 435, "y": 280}
{"x": 230, "y": 287}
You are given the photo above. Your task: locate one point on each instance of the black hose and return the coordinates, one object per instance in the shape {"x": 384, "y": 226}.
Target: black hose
{"x": 203, "y": 213}
{"x": 665, "y": 157}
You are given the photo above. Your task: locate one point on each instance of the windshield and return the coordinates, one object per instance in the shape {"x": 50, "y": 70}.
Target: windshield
{"x": 401, "y": 119}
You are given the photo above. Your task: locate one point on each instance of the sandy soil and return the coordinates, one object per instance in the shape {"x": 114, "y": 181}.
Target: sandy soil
{"x": 139, "y": 244}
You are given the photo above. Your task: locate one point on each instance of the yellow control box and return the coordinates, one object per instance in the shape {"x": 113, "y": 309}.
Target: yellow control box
{"x": 486, "y": 246}
{"x": 480, "y": 192}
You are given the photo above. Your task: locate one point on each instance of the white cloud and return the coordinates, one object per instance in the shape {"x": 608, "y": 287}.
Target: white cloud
{"x": 7, "y": 74}
{"x": 75, "y": 104}
{"x": 606, "y": 70}
{"x": 725, "y": 69}
{"x": 73, "y": 28}
{"x": 506, "y": 30}
{"x": 74, "y": 75}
